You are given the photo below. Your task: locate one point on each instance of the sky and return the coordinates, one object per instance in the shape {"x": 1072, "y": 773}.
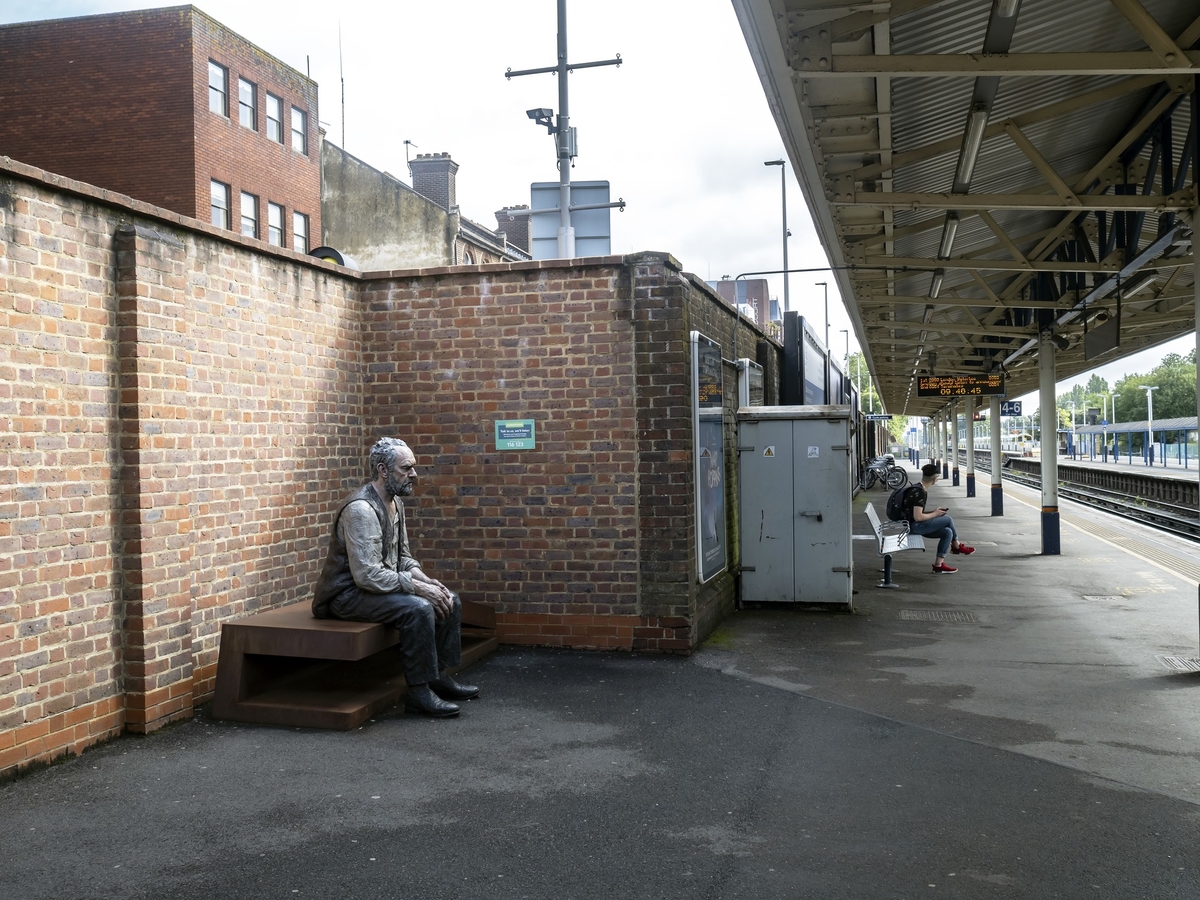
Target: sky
{"x": 681, "y": 129}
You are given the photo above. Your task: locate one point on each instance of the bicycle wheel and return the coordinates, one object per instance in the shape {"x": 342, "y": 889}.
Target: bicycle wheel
{"x": 866, "y": 480}
{"x": 897, "y": 477}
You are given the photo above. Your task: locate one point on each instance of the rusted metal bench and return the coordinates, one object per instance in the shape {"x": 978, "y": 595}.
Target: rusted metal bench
{"x": 283, "y": 667}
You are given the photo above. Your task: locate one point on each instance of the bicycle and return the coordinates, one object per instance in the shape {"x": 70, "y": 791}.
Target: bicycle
{"x": 883, "y": 469}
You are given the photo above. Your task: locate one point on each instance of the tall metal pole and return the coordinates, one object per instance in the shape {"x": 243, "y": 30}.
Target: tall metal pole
{"x": 1051, "y": 531}
{"x": 782, "y": 163}
{"x": 783, "y": 195}
{"x": 997, "y": 479}
{"x": 1150, "y": 422}
{"x": 825, "y": 285}
{"x": 1116, "y": 458}
{"x": 954, "y": 475}
{"x": 969, "y": 418}
{"x": 566, "y": 233}
{"x": 564, "y": 138}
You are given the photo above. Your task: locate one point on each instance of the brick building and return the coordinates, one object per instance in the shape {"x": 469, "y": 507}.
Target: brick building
{"x": 751, "y": 292}
{"x": 171, "y": 107}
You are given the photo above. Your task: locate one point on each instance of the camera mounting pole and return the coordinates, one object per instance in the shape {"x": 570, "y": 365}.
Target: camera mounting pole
{"x": 564, "y": 134}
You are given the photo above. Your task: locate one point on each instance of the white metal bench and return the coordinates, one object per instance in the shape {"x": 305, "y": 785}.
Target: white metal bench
{"x": 890, "y": 538}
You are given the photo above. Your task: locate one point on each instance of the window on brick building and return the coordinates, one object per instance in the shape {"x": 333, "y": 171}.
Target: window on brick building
{"x": 220, "y": 204}
{"x": 248, "y": 104}
{"x": 218, "y": 88}
{"x": 275, "y": 224}
{"x": 299, "y": 131}
{"x": 299, "y": 232}
{"x": 274, "y": 118}
{"x": 249, "y": 215}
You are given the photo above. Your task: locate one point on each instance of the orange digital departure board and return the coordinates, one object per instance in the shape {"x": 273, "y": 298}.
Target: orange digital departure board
{"x": 960, "y": 385}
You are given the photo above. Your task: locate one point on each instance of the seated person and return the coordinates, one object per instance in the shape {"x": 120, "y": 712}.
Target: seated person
{"x": 933, "y": 523}
{"x": 370, "y": 576}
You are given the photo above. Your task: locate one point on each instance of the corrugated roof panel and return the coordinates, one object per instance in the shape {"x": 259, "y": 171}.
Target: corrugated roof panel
{"x": 927, "y": 111}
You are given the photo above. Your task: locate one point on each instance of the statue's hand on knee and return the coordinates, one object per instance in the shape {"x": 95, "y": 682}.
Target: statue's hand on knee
{"x": 437, "y": 594}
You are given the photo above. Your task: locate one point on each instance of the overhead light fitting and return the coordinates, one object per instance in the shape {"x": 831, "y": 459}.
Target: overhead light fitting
{"x": 935, "y": 286}
{"x": 1006, "y": 9}
{"x": 949, "y": 230}
{"x": 976, "y": 124}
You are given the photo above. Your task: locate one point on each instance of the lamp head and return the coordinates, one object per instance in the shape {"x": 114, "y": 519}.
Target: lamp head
{"x": 774, "y": 162}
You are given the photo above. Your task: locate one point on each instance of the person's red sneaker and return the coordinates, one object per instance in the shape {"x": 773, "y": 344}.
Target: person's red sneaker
{"x": 944, "y": 569}
{"x": 963, "y": 549}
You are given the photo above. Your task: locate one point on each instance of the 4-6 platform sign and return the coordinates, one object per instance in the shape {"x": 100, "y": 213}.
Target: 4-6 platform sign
{"x": 960, "y": 385}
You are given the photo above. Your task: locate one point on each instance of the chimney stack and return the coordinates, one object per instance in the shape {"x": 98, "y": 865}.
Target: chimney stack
{"x": 514, "y": 222}
{"x": 433, "y": 178}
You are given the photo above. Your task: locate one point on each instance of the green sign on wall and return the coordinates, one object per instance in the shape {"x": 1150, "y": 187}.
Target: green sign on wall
{"x": 515, "y": 434}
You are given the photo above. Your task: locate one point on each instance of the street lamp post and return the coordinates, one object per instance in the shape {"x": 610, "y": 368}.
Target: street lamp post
{"x": 1149, "y": 389}
{"x": 846, "y": 332}
{"x": 825, "y": 285}
{"x": 783, "y": 189}
{"x": 1073, "y": 438}
{"x": 1113, "y": 398}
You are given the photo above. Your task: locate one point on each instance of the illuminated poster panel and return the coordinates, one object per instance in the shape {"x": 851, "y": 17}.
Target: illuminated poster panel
{"x": 708, "y": 413}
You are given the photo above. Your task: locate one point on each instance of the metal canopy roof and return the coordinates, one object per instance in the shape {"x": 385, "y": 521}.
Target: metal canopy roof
{"x": 981, "y": 171}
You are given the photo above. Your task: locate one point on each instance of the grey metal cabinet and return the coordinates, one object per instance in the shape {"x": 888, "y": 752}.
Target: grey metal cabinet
{"x": 794, "y": 467}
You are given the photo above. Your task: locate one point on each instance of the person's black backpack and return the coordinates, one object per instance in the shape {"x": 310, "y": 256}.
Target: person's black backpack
{"x": 895, "y": 503}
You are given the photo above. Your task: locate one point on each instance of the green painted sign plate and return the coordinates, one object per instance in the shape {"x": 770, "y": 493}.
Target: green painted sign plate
{"x": 515, "y": 434}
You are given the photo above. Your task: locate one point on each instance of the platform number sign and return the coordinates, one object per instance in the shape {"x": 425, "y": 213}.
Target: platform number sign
{"x": 1010, "y": 408}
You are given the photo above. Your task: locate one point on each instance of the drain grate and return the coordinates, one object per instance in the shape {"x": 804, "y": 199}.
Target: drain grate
{"x": 936, "y": 615}
{"x": 1180, "y": 663}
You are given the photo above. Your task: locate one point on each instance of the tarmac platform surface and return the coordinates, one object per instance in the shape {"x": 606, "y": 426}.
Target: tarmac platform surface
{"x": 1007, "y": 731}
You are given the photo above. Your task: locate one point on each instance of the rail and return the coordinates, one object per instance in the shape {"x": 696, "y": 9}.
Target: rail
{"x": 1167, "y": 504}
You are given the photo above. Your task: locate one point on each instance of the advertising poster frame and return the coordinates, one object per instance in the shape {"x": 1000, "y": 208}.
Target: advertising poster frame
{"x": 708, "y": 455}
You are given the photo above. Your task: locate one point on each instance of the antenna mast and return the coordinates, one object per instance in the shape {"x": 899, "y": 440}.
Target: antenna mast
{"x": 562, "y": 130}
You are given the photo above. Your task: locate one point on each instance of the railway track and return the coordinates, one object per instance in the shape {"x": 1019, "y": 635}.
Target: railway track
{"x": 1177, "y": 520}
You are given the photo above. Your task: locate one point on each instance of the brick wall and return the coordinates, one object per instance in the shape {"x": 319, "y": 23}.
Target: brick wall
{"x": 78, "y": 94}
{"x": 182, "y": 414}
{"x": 184, "y": 410}
{"x": 547, "y": 536}
{"x": 588, "y": 540}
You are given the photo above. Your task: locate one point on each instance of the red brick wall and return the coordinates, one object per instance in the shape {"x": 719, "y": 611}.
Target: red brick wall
{"x": 174, "y": 445}
{"x": 106, "y": 100}
{"x": 248, "y": 160}
{"x": 59, "y": 495}
{"x": 588, "y": 540}
{"x": 539, "y": 534}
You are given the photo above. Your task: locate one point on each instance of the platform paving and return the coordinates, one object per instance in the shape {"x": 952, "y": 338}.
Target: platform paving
{"x": 1040, "y": 750}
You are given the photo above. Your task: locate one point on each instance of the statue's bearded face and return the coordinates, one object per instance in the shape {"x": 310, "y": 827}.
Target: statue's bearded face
{"x": 403, "y": 475}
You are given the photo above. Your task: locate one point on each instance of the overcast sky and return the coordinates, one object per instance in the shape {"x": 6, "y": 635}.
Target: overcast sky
{"x": 681, "y": 129}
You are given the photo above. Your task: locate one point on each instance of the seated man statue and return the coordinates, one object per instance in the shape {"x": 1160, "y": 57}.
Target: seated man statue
{"x": 370, "y": 576}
